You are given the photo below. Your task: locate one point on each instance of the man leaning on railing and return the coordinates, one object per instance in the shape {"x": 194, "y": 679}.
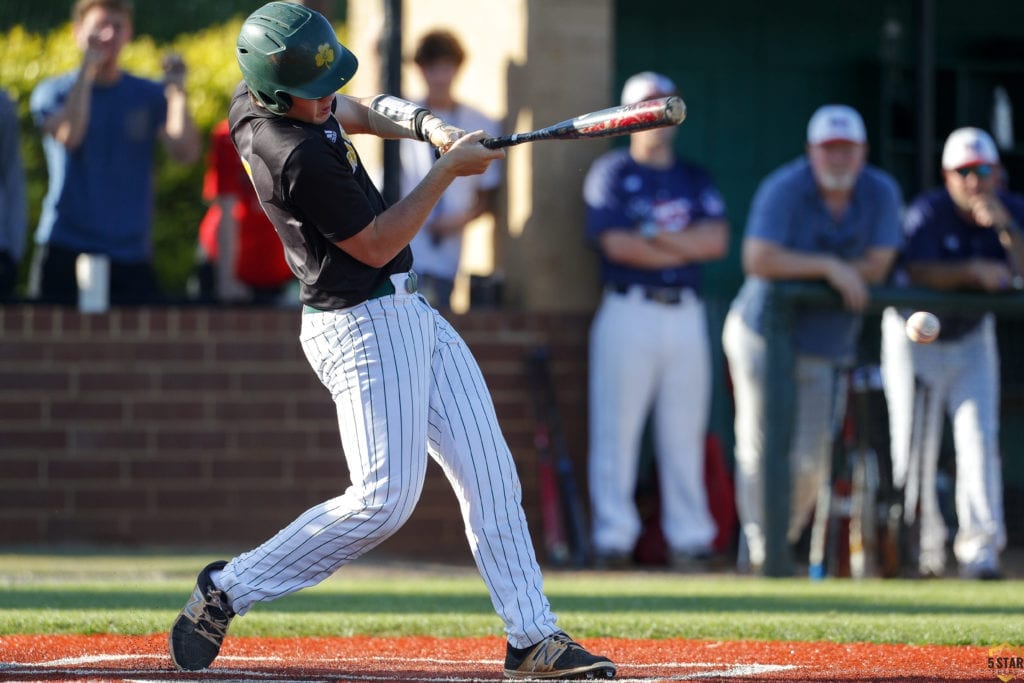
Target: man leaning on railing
{"x": 827, "y": 216}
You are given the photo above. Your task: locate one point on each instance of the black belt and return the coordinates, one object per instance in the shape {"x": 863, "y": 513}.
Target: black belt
{"x": 661, "y": 295}
{"x": 385, "y": 288}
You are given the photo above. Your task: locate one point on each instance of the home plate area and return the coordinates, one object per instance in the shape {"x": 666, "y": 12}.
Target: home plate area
{"x": 358, "y": 658}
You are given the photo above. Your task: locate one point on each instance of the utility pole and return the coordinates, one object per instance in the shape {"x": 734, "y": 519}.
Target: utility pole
{"x": 391, "y": 58}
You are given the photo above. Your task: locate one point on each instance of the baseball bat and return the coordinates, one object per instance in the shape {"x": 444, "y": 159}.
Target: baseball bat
{"x": 623, "y": 120}
{"x": 824, "y": 524}
{"x": 865, "y": 482}
{"x": 816, "y": 569}
{"x": 552, "y": 517}
{"x": 556, "y": 545}
{"x": 568, "y": 492}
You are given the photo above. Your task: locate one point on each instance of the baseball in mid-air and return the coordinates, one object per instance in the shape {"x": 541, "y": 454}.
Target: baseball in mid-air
{"x": 923, "y": 327}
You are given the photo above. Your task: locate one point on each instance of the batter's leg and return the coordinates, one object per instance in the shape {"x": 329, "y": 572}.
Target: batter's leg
{"x": 467, "y": 442}
{"x": 381, "y": 398}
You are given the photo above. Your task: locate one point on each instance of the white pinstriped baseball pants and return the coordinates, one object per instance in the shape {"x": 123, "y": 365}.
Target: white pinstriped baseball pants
{"x": 405, "y": 385}
{"x": 959, "y": 377}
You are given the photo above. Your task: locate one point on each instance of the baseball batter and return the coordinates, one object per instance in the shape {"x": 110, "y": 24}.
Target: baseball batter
{"x": 654, "y": 219}
{"x": 404, "y": 382}
{"x": 964, "y": 235}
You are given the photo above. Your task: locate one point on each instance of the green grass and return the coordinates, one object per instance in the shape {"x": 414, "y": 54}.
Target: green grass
{"x": 139, "y": 594}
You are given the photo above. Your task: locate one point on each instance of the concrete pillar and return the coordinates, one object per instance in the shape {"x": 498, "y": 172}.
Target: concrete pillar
{"x": 529, "y": 63}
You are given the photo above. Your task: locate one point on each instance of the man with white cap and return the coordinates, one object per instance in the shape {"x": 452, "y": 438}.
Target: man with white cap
{"x": 653, "y": 218}
{"x": 962, "y": 236}
{"x": 825, "y": 216}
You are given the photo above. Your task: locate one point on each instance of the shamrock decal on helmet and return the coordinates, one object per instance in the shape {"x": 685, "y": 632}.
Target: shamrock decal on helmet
{"x": 324, "y": 55}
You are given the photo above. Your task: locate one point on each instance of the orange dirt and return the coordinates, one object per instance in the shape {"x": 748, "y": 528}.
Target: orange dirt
{"x": 122, "y": 658}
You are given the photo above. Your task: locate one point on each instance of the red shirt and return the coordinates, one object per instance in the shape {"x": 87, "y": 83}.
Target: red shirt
{"x": 259, "y": 254}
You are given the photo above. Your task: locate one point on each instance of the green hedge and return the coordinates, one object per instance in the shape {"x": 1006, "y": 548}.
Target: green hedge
{"x": 29, "y": 57}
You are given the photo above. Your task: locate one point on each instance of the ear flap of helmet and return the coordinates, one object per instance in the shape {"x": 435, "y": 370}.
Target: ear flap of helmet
{"x": 284, "y": 102}
{"x": 278, "y": 102}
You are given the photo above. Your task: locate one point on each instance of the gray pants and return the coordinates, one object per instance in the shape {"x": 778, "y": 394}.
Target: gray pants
{"x": 820, "y": 400}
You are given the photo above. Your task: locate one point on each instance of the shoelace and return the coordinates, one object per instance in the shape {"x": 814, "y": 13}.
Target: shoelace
{"x": 210, "y": 626}
{"x": 562, "y": 637}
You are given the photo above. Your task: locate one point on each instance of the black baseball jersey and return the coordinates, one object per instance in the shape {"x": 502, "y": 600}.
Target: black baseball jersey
{"x": 313, "y": 187}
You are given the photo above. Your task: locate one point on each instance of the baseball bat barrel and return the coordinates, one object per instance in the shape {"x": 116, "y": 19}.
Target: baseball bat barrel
{"x": 613, "y": 121}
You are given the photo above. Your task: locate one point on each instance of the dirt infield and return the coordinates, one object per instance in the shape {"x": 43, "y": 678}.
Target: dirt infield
{"x": 134, "y": 658}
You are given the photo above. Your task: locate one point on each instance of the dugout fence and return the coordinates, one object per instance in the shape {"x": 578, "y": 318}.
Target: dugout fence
{"x": 786, "y": 298}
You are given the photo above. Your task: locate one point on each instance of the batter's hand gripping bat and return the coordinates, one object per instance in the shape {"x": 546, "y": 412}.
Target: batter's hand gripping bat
{"x": 623, "y": 120}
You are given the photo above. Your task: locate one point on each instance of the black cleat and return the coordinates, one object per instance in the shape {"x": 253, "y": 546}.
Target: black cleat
{"x": 202, "y": 624}
{"x": 557, "y": 656}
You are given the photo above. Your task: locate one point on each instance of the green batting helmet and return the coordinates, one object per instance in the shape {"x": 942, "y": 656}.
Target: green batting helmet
{"x": 286, "y": 50}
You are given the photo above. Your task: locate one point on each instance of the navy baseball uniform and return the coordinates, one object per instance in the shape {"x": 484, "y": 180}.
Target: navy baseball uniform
{"x": 956, "y": 375}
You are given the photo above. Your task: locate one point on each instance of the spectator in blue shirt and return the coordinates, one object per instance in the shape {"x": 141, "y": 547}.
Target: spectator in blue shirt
{"x": 825, "y": 216}
{"x": 100, "y": 126}
{"x": 13, "y": 215}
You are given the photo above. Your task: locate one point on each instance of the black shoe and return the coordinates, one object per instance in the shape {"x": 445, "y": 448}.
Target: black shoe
{"x": 557, "y": 656}
{"x": 990, "y": 574}
{"x": 986, "y": 573}
{"x": 202, "y": 624}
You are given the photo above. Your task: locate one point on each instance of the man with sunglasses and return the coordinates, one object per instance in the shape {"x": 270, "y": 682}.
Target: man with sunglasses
{"x": 962, "y": 236}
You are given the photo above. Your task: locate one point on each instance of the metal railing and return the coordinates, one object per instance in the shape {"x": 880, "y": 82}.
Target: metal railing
{"x": 783, "y": 300}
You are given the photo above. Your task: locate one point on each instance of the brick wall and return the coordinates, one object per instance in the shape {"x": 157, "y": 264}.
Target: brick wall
{"x": 205, "y": 428}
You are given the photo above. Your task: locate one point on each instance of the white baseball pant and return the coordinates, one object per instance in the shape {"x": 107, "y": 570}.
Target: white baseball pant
{"x": 405, "y": 384}
{"x": 924, "y": 383}
{"x": 646, "y": 354}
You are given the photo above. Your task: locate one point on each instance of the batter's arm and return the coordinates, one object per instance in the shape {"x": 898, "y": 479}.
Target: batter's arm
{"x": 389, "y": 233}
{"x": 453, "y": 224}
{"x": 393, "y": 118}
{"x": 353, "y": 113}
